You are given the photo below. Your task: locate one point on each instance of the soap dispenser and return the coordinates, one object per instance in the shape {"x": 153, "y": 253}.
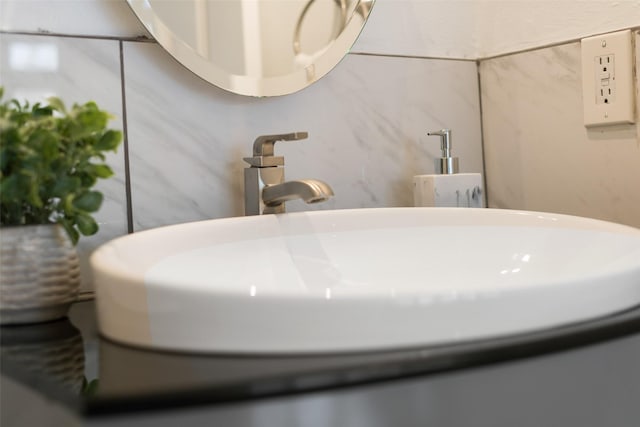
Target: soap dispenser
{"x": 447, "y": 187}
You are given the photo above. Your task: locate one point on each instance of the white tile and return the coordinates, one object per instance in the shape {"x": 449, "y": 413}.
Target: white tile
{"x": 367, "y": 122}
{"x": 111, "y": 18}
{"x": 504, "y": 26}
{"x": 403, "y": 27}
{"x": 428, "y": 28}
{"x": 77, "y": 71}
{"x": 473, "y": 29}
{"x": 539, "y": 155}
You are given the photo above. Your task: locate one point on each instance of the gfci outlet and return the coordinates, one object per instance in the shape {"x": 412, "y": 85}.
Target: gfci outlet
{"x": 607, "y": 79}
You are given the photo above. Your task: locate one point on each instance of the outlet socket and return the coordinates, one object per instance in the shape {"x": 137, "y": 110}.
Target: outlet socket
{"x": 607, "y": 79}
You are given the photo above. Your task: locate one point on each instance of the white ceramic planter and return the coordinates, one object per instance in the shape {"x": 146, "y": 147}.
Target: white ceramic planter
{"x": 39, "y": 273}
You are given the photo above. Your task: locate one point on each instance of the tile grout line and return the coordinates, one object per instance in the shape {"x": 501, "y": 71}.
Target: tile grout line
{"x": 482, "y": 145}
{"x": 125, "y": 129}
{"x": 551, "y": 45}
{"x": 391, "y": 55}
{"x": 140, "y": 38}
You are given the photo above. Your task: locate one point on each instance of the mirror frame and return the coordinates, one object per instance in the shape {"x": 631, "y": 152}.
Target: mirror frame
{"x": 248, "y": 85}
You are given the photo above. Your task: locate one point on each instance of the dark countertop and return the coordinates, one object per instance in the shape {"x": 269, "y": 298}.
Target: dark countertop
{"x": 54, "y": 358}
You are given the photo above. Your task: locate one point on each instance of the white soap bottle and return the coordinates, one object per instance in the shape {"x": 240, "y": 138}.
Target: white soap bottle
{"x": 447, "y": 187}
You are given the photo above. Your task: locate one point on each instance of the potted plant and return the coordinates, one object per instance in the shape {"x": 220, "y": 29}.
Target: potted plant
{"x": 50, "y": 158}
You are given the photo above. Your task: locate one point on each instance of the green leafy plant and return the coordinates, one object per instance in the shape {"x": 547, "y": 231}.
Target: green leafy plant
{"x": 50, "y": 158}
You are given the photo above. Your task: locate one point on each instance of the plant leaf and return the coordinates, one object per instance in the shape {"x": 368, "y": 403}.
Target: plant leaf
{"x": 5, "y": 157}
{"x": 71, "y": 231}
{"x": 43, "y": 142}
{"x": 39, "y": 111}
{"x": 11, "y": 188}
{"x": 88, "y": 120}
{"x": 90, "y": 388}
{"x": 67, "y": 204}
{"x": 101, "y": 171}
{"x": 57, "y": 104}
{"x": 88, "y": 202}
{"x": 86, "y": 224}
{"x": 66, "y": 185}
{"x": 109, "y": 141}
{"x": 33, "y": 195}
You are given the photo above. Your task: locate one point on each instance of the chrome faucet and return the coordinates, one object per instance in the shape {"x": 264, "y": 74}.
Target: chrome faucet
{"x": 265, "y": 189}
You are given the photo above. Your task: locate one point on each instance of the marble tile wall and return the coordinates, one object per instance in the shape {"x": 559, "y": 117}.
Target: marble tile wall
{"x": 539, "y": 155}
{"x": 367, "y": 119}
{"x": 367, "y": 122}
{"x": 94, "y": 18}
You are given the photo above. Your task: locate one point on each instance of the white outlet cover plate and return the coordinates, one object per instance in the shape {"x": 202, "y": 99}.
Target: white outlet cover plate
{"x": 621, "y": 108}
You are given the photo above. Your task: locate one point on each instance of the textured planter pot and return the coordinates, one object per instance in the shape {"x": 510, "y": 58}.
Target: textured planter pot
{"x": 39, "y": 273}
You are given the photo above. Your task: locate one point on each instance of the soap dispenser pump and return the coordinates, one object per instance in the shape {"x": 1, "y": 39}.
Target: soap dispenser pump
{"x": 447, "y": 187}
{"x": 446, "y": 164}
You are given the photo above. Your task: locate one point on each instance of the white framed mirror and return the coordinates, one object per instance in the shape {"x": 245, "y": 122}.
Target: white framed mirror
{"x": 256, "y": 47}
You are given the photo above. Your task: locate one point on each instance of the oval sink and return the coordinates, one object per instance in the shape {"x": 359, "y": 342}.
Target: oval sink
{"x": 360, "y": 280}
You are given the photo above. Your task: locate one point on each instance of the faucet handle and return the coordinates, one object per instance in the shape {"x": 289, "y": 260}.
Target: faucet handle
{"x": 263, "y": 145}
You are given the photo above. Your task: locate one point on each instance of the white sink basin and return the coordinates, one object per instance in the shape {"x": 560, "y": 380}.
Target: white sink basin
{"x": 359, "y": 280}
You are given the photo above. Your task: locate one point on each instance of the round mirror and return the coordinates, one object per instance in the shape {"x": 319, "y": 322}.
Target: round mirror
{"x": 256, "y": 47}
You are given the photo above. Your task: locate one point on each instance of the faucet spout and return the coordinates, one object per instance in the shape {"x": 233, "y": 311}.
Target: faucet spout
{"x": 309, "y": 190}
{"x": 265, "y": 190}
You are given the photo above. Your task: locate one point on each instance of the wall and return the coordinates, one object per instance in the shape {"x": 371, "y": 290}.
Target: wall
{"x": 527, "y": 24}
{"x": 367, "y": 119}
{"x": 539, "y": 156}
{"x": 474, "y": 29}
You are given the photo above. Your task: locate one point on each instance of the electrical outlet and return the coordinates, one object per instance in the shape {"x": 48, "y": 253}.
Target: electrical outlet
{"x": 607, "y": 79}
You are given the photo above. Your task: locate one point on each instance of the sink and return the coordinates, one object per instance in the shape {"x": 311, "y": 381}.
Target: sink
{"x": 361, "y": 280}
